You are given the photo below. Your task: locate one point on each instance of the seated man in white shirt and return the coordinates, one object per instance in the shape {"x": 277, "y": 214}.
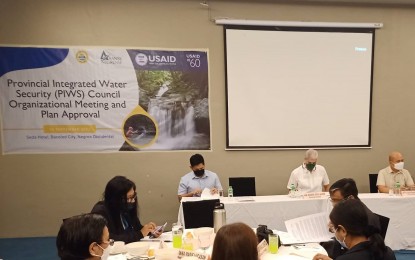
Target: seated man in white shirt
{"x": 309, "y": 176}
{"x": 193, "y": 183}
{"x": 388, "y": 177}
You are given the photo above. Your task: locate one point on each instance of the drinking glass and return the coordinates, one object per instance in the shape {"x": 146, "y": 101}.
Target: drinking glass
{"x": 176, "y": 225}
{"x": 177, "y": 238}
{"x": 273, "y": 243}
{"x": 204, "y": 241}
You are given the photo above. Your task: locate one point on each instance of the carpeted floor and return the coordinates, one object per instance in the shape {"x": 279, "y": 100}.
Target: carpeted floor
{"x": 33, "y": 248}
{"x": 44, "y": 248}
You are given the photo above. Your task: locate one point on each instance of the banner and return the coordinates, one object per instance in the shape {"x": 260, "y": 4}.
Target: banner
{"x": 100, "y": 99}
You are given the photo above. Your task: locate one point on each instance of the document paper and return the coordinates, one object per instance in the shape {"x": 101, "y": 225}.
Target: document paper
{"x": 311, "y": 228}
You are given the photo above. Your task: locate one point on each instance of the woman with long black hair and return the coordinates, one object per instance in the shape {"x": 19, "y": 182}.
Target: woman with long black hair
{"x": 120, "y": 209}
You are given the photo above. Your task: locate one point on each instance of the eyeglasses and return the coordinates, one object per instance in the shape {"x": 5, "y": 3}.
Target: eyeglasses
{"x": 130, "y": 199}
{"x": 335, "y": 200}
{"x": 338, "y": 200}
{"x": 110, "y": 242}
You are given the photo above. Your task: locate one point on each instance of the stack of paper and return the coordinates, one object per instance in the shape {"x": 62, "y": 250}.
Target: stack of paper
{"x": 311, "y": 228}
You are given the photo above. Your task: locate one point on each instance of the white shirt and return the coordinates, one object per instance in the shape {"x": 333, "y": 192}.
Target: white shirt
{"x": 306, "y": 181}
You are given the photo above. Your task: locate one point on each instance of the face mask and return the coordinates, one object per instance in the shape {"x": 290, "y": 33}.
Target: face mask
{"x": 130, "y": 206}
{"x": 199, "y": 173}
{"x": 105, "y": 252}
{"x": 399, "y": 165}
{"x": 342, "y": 243}
{"x": 310, "y": 166}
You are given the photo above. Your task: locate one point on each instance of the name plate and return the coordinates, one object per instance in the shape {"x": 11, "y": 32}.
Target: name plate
{"x": 262, "y": 248}
{"x": 185, "y": 253}
{"x": 314, "y": 195}
{"x": 408, "y": 193}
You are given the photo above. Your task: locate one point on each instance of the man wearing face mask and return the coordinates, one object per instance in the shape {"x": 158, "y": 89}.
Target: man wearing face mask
{"x": 309, "y": 177}
{"x": 341, "y": 190}
{"x": 193, "y": 183}
{"x": 395, "y": 172}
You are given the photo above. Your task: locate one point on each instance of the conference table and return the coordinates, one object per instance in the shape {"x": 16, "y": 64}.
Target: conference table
{"x": 306, "y": 251}
{"x": 274, "y": 210}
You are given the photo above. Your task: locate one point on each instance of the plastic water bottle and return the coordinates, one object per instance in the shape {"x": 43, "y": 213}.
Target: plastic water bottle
{"x": 292, "y": 191}
{"x": 230, "y": 191}
{"x": 397, "y": 188}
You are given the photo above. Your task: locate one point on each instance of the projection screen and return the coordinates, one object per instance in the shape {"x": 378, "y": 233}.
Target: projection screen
{"x": 290, "y": 87}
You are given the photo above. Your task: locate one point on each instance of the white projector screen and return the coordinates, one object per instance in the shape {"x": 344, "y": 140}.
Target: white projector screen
{"x": 298, "y": 87}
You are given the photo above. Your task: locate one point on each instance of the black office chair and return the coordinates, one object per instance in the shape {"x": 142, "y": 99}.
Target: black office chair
{"x": 243, "y": 186}
{"x": 198, "y": 213}
{"x": 373, "y": 178}
{"x": 384, "y": 223}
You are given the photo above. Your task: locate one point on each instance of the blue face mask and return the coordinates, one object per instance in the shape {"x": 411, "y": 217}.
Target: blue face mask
{"x": 342, "y": 243}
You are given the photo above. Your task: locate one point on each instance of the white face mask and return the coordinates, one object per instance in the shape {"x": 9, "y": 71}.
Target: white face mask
{"x": 105, "y": 252}
{"x": 342, "y": 243}
{"x": 399, "y": 165}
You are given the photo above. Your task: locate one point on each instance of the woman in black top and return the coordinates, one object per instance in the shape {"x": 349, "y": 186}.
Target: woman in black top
{"x": 349, "y": 223}
{"x": 119, "y": 208}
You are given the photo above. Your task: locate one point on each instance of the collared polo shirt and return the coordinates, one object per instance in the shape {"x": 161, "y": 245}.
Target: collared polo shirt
{"x": 190, "y": 182}
{"x": 386, "y": 177}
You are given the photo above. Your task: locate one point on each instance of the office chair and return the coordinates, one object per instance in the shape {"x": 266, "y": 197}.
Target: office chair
{"x": 199, "y": 213}
{"x": 384, "y": 223}
{"x": 243, "y": 186}
{"x": 373, "y": 178}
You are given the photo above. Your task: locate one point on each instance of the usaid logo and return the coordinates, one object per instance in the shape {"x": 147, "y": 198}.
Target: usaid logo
{"x": 108, "y": 58}
{"x": 141, "y": 59}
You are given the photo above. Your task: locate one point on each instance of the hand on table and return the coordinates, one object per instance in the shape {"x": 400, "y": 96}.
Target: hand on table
{"x": 321, "y": 257}
{"x": 213, "y": 191}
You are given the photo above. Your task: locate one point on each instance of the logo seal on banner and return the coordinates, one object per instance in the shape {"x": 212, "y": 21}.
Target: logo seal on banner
{"x": 141, "y": 59}
{"x": 82, "y": 56}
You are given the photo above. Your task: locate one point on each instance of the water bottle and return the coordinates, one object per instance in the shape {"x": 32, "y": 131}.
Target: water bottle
{"x": 230, "y": 191}
{"x": 292, "y": 191}
{"x": 219, "y": 216}
{"x": 397, "y": 188}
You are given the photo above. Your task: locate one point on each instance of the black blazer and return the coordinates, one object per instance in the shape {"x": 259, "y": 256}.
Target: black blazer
{"x": 115, "y": 227}
{"x": 361, "y": 252}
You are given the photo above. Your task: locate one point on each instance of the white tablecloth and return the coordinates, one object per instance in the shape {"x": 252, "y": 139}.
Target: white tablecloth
{"x": 284, "y": 252}
{"x": 274, "y": 210}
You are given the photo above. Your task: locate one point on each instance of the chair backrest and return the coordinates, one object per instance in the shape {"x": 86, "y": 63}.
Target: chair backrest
{"x": 198, "y": 213}
{"x": 384, "y": 223}
{"x": 243, "y": 186}
{"x": 373, "y": 178}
